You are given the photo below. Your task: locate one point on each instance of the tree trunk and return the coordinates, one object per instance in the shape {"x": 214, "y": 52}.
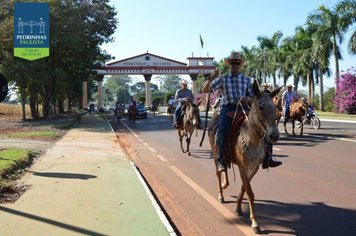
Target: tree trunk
{"x": 321, "y": 90}
{"x": 23, "y": 102}
{"x": 309, "y": 85}
{"x": 33, "y": 102}
{"x": 60, "y": 106}
{"x": 336, "y": 56}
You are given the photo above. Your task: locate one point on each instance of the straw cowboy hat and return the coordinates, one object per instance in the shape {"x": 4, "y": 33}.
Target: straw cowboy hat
{"x": 235, "y": 57}
{"x": 184, "y": 82}
{"x": 264, "y": 85}
{"x": 290, "y": 85}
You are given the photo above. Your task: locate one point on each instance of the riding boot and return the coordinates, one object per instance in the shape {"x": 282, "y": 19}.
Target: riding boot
{"x": 269, "y": 162}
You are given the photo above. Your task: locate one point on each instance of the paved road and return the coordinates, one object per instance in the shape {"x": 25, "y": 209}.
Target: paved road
{"x": 312, "y": 193}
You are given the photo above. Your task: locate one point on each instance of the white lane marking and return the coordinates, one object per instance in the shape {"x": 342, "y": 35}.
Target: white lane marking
{"x": 276, "y": 149}
{"x": 212, "y": 201}
{"x": 162, "y": 158}
{"x": 146, "y": 144}
{"x": 152, "y": 149}
{"x": 332, "y": 138}
{"x": 344, "y": 139}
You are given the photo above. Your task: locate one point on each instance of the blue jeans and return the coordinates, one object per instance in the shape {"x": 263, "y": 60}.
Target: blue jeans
{"x": 177, "y": 113}
{"x": 223, "y": 131}
{"x": 225, "y": 123}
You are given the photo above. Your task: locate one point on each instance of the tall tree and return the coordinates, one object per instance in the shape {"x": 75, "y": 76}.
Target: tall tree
{"x": 334, "y": 23}
{"x": 269, "y": 53}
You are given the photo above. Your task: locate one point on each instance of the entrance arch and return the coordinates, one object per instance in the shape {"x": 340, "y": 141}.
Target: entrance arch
{"x": 148, "y": 64}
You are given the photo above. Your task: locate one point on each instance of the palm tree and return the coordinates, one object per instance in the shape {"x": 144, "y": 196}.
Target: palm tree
{"x": 270, "y": 50}
{"x": 334, "y": 23}
{"x": 347, "y": 12}
{"x": 252, "y": 68}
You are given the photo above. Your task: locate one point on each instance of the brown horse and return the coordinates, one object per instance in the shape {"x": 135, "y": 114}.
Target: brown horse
{"x": 132, "y": 113}
{"x": 297, "y": 111}
{"x": 279, "y": 109}
{"x": 247, "y": 146}
{"x": 189, "y": 123}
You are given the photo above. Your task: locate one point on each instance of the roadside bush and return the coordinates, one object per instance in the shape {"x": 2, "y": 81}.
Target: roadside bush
{"x": 345, "y": 97}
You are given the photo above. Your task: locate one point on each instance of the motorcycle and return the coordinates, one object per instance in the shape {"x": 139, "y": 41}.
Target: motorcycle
{"x": 311, "y": 118}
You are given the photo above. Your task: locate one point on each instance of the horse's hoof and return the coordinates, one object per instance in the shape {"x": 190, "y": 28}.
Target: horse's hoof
{"x": 257, "y": 229}
{"x": 188, "y": 153}
{"x": 221, "y": 199}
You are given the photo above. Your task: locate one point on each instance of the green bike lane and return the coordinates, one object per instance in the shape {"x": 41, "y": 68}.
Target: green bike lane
{"x": 84, "y": 185}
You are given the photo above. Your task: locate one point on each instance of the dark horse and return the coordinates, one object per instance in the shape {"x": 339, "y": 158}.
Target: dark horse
{"x": 297, "y": 112}
{"x": 118, "y": 111}
{"x": 279, "y": 109}
{"x": 246, "y": 146}
{"x": 189, "y": 123}
{"x": 132, "y": 113}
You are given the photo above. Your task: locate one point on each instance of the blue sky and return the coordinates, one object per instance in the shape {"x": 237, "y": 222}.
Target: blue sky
{"x": 171, "y": 28}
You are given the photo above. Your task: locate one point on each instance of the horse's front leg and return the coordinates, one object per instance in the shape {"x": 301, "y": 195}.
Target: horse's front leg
{"x": 220, "y": 185}
{"x": 293, "y": 125}
{"x": 189, "y": 136}
{"x": 301, "y": 128}
{"x": 181, "y": 140}
{"x": 250, "y": 198}
{"x": 239, "y": 201}
{"x": 285, "y": 126}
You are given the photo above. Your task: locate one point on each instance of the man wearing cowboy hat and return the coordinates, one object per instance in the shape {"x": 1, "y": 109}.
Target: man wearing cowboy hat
{"x": 288, "y": 97}
{"x": 265, "y": 87}
{"x": 181, "y": 94}
{"x": 232, "y": 86}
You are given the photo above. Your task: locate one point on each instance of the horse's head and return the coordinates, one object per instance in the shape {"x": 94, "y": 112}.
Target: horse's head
{"x": 192, "y": 111}
{"x": 263, "y": 114}
{"x": 278, "y": 103}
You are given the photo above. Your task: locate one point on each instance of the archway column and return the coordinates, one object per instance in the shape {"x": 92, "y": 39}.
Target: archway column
{"x": 194, "y": 78}
{"x": 85, "y": 94}
{"x": 100, "y": 78}
{"x": 148, "y": 89}
{"x": 207, "y": 76}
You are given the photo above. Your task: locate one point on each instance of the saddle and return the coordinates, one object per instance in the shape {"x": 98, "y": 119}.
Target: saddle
{"x": 229, "y": 146}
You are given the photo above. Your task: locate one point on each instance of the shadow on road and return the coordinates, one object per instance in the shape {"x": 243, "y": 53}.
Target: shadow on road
{"x": 63, "y": 175}
{"x": 49, "y": 221}
{"x": 315, "y": 218}
{"x": 202, "y": 154}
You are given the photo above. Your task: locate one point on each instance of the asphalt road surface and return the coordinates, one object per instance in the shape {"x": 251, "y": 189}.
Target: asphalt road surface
{"x": 312, "y": 193}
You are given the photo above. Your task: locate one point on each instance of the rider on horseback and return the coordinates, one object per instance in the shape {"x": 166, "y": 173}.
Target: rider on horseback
{"x": 182, "y": 94}
{"x": 233, "y": 87}
{"x": 288, "y": 97}
{"x": 268, "y": 161}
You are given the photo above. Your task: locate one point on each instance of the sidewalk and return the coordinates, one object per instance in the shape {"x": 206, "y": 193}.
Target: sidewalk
{"x": 84, "y": 185}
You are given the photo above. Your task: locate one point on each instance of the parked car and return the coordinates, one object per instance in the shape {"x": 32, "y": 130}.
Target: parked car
{"x": 142, "y": 111}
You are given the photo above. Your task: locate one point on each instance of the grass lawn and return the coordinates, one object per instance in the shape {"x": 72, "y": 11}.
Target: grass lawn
{"x": 34, "y": 134}
{"x": 337, "y": 116}
{"x": 12, "y": 160}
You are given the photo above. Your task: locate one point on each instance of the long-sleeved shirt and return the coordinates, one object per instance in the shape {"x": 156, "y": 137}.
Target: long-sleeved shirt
{"x": 184, "y": 93}
{"x": 233, "y": 88}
